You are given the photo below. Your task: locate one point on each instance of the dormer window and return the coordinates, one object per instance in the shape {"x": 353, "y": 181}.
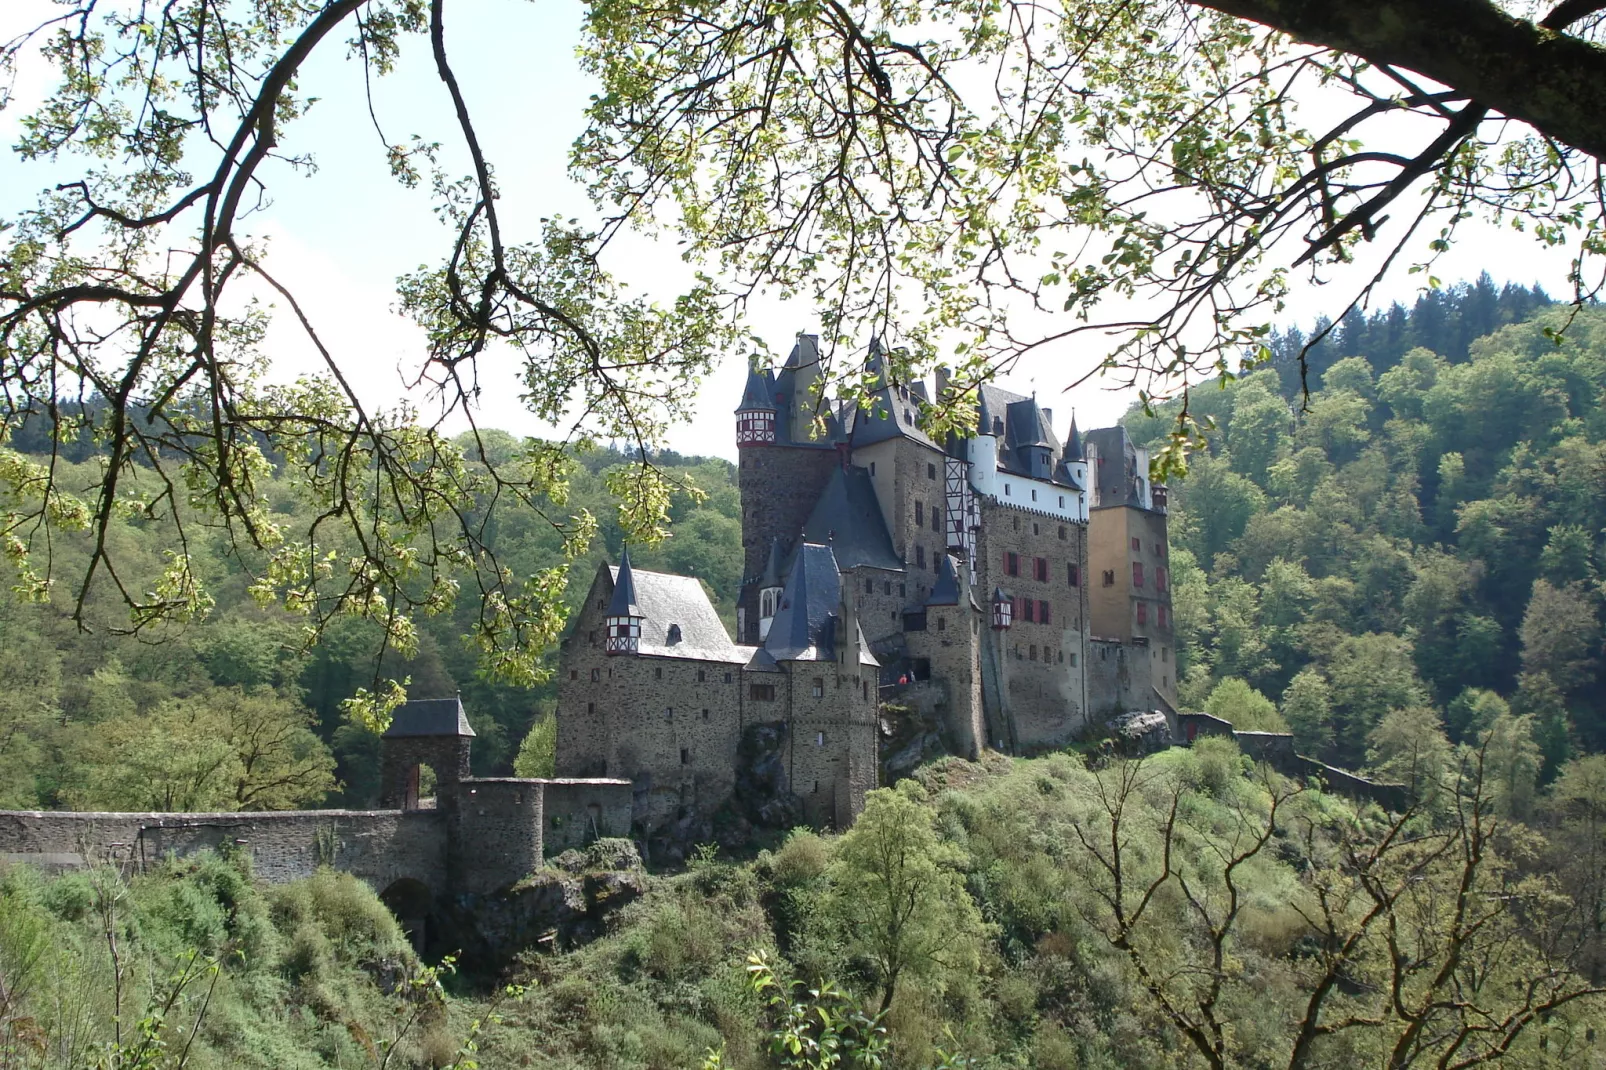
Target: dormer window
{"x": 674, "y": 635}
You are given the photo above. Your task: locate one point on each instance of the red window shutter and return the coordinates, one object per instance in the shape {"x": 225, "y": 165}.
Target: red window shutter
{"x": 1137, "y": 573}
{"x": 1143, "y": 613}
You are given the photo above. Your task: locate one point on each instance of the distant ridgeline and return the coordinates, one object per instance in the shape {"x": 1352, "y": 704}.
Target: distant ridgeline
{"x": 1416, "y": 560}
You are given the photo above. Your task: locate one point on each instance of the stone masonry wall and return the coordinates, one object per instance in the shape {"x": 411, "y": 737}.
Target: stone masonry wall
{"x": 1038, "y": 668}
{"x": 832, "y": 740}
{"x": 448, "y": 756}
{"x": 496, "y": 831}
{"x": 377, "y": 846}
{"x": 577, "y": 812}
{"x": 951, "y": 642}
{"x": 779, "y": 486}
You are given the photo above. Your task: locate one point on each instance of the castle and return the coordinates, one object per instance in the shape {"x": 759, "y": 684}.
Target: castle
{"x": 1007, "y": 585}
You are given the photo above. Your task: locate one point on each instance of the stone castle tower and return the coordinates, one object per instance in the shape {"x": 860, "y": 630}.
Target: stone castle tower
{"x": 1007, "y": 585}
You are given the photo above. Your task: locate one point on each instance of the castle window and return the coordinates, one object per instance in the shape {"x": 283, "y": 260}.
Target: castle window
{"x": 864, "y": 688}
{"x": 886, "y": 587}
{"x": 1137, "y": 544}
{"x": 1143, "y": 613}
{"x": 685, "y": 756}
{"x": 727, "y": 678}
{"x": 602, "y": 603}
{"x": 574, "y": 674}
{"x": 920, "y": 514}
{"x": 1073, "y": 660}
{"x": 819, "y": 739}
{"x": 1159, "y": 615}
{"x": 591, "y": 707}
{"x": 1016, "y": 521}
{"x": 920, "y": 557}
{"x": 1137, "y": 573}
{"x": 936, "y": 518}
{"x": 1109, "y": 577}
{"x": 1032, "y": 655}
{"x": 819, "y": 687}
{"x": 1159, "y": 577}
{"x": 1045, "y": 612}
{"x": 761, "y": 692}
{"x": 596, "y": 675}
{"x": 1040, "y": 569}
{"x": 1034, "y": 494}
{"x": 702, "y": 676}
{"x": 1062, "y": 505}
{"x": 705, "y": 713}
{"x": 816, "y": 787}
{"x": 674, "y": 634}
{"x": 872, "y": 469}
{"x": 593, "y": 637}
{"x": 931, "y": 471}
{"x": 942, "y": 624}
{"x": 1011, "y": 564}
{"x": 669, "y": 713}
{"x": 1165, "y": 653}
{"x": 869, "y": 586}
{"x": 658, "y": 672}
{"x": 1006, "y": 490}
{"x": 1159, "y": 549}
{"x": 1073, "y": 576}
{"x": 1027, "y": 609}
{"x": 1062, "y": 526}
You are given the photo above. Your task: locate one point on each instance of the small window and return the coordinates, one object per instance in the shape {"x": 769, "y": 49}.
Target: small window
{"x": 1006, "y": 490}
{"x": 869, "y": 586}
{"x": 1165, "y": 653}
{"x": 886, "y": 587}
{"x": 673, "y": 635}
{"x": 1032, "y": 654}
{"x": 591, "y": 707}
{"x": 1062, "y": 526}
{"x": 1073, "y": 576}
{"x": 920, "y": 557}
{"x": 931, "y": 471}
{"x": 1011, "y": 564}
{"x": 1137, "y": 573}
{"x": 1027, "y": 609}
{"x": 1160, "y": 615}
{"x": 762, "y": 692}
{"x": 920, "y": 514}
{"x": 1062, "y": 505}
{"x": 1073, "y": 660}
{"x": 669, "y": 713}
{"x": 596, "y": 675}
{"x": 705, "y": 713}
{"x": 685, "y": 756}
{"x": 602, "y": 603}
{"x": 1159, "y": 577}
{"x": 942, "y": 624}
{"x": 936, "y": 518}
{"x": 1143, "y": 613}
{"x": 1159, "y": 549}
{"x": 593, "y": 637}
{"x": 819, "y": 739}
{"x": 872, "y": 468}
{"x": 903, "y": 590}
{"x": 1137, "y": 544}
{"x": 1109, "y": 577}
{"x": 727, "y": 678}
{"x": 816, "y": 787}
{"x": 864, "y": 688}
{"x": 818, "y": 689}
{"x": 658, "y": 672}
{"x": 574, "y": 674}
{"x": 702, "y": 676}
{"x": 1034, "y": 494}
{"x": 1040, "y": 569}
{"x": 1045, "y": 613}
{"x": 1036, "y": 530}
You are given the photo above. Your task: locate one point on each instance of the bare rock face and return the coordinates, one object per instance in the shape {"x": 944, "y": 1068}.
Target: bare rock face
{"x": 564, "y": 905}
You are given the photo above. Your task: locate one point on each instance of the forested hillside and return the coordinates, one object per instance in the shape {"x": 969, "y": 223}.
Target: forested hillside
{"x": 1414, "y": 551}
{"x": 235, "y": 710}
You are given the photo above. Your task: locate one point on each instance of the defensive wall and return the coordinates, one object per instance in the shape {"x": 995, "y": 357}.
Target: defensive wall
{"x": 482, "y": 836}
{"x": 1276, "y": 749}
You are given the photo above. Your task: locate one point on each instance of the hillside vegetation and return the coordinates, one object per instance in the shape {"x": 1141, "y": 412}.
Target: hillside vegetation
{"x": 1411, "y": 556}
{"x": 1188, "y": 910}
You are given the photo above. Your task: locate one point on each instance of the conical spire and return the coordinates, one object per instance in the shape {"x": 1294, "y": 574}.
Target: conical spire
{"x": 945, "y": 592}
{"x": 1073, "y": 442}
{"x": 623, "y": 603}
{"x": 759, "y": 394}
{"x": 772, "y": 567}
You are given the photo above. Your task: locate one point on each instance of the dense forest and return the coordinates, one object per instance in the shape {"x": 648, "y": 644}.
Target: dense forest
{"x": 1410, "y": 554}
{"x": 240, "y": 709}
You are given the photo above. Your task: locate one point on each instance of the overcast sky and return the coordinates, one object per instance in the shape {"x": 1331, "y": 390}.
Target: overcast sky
{"x": 343, "y": 234}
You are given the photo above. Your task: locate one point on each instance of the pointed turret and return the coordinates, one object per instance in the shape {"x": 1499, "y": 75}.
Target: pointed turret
{"x": 945, "y": 592}
{"x": 624, "y": 615}
{"x": 755, "y": 416}
{"x": 770, "y": 586}
{"x": 1073, "y": 442}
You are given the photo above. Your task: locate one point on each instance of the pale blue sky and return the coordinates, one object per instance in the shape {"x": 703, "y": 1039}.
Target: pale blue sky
{"x": 347, "y": 231}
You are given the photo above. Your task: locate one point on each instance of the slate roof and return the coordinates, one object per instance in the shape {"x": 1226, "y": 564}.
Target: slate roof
{"x": 760, "y": 392}
{"x": 1022, "y": 426}
{"x": 666, "y": 600}
{"x": 623, "y": 603}
{"x": 1073, "y": 443}
{"x": 804, "y": 628}
{"x": 773, "y": 573}
{"x": 429, "y": 717}
{"x": 848, "y": 518}
{"x": 945, "y": 592}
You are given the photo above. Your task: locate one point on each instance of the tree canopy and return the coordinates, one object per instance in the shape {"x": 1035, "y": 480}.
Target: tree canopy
{"x": 968, "y": 181}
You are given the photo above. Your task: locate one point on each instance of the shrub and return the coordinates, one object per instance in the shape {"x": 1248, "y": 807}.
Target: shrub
{"x": 801, "y": 859}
